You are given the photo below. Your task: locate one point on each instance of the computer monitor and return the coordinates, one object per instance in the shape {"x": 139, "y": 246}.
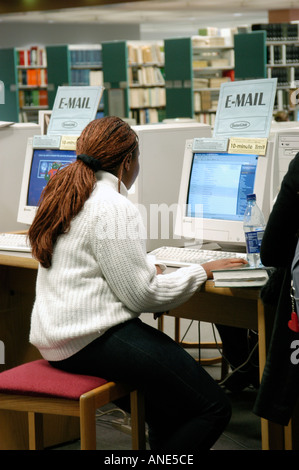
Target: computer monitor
{"x": 40, "y": 166}
{"x": 13, "y": 141}
{"x": 213, "y": 191}
{"x": 156, "y": 189}
{"x": 286, "y": 146}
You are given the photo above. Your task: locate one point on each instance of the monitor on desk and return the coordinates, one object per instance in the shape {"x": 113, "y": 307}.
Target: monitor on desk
{"x": 213, "y": 192}
{"x": 286, "y": 146}
{"x": 156, "y": 189}
{"x": 13, "y": 141}
{"x": 40, "y": 165}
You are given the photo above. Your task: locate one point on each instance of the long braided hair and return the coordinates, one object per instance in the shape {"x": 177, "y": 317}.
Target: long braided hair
{"x": 110, "y": 141}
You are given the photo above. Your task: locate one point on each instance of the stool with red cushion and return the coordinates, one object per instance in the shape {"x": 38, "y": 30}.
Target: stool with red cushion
{"x": 38, "y": 388}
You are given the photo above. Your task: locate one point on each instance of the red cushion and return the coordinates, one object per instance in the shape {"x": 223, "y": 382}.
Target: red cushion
{"x": 39, "y": 378}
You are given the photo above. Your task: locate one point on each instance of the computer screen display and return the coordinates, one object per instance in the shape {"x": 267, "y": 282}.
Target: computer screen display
{"x": 213, "y": 190}
{"x": 39, "y": 167}
{"x": 219, "y": 184}
{"x": 45, "y": 163}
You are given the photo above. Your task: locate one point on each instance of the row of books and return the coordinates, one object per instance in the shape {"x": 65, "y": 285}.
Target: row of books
{"x": 32, "y": 77}
{"x": 33, "y": 98}
{"x": 86, "y": 57}
{"x": 147, "y": 97}
{"x": 146, "y": 116}
{"x": 278, "y": 31}
{"x": 285, "y": 76}
{"x": 206, "y": 118}
{"x": 283, "y": 100}
{"x": 146, "y": 53}
{"x": 205, "y": 41}
{"x": 205, "y": 101}
{"x": 31, "y": 57}
{"x": 86, "y": 77}
{"x": 216, "y": 63}
{"x": 214, "y": 82}
{"x": 283, "y": 54}
{"x": 149, "y": 76}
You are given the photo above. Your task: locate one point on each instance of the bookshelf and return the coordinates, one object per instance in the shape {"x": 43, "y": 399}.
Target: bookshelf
{"x": 195, "y": 68}
{"x": 25, "y": 80}
{"x": 32, "y": 82}
{"x": 74, "y": 65}
{"x": 213, "y": 63}
{"x": 134, "y": 81}
{"x": 282, "y": 61}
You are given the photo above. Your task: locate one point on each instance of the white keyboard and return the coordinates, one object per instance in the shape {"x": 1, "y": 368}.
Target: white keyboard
{"x": 14, "y": 242}
{"x": 180, "y": 257}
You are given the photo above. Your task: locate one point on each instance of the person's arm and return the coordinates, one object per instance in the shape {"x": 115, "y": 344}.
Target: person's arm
{"x": 121, "y": 255}
{"x": 126, "y": 268}
{"x": 280, "y": 237}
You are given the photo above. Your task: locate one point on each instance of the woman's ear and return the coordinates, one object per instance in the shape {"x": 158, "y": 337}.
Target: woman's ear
{"x": 128, "y": 161}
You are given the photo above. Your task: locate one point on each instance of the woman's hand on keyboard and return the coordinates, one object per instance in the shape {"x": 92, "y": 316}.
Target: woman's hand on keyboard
{"x": 225, "y": 263}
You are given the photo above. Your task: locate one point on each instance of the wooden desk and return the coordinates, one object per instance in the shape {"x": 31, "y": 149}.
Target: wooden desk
{"x": 237, "y": 307}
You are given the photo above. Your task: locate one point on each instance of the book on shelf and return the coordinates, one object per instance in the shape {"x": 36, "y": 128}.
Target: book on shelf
{"x": 216, "y": 82}
{"x": 240, "y": 277}
{"x": 278, "y": 31}
{"x": 205, "y": 41}
{"x": 86, "y": 57}
{"x": 147, "y": 76}
{"x": 31, "y": 57}
{"x": 86, "y": 77}
{"x": 32, "y": 77}
{"x": 146, "y": 116}
{"x": 38, "y": 98}
{"x": 201, "y": 82}
{"x": 145, "y": 53}
{"x": 143, "y": 97}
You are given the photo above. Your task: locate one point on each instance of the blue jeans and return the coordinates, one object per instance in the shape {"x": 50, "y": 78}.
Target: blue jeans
{"x": 185, "y": 409}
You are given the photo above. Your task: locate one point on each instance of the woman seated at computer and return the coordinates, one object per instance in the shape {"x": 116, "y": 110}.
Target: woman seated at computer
{"x": 95, "y": 280}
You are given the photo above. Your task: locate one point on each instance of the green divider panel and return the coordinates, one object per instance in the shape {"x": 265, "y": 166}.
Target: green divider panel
{"x": 250, "y": 55}
{"x": 59, "y": 70}
{"x": 115, "y": 72}
{"x": 9, "y": 111}
{"x": 178, "y": 77}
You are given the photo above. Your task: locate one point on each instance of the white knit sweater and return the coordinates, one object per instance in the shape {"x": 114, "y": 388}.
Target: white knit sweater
{"x": 101, "y": 276}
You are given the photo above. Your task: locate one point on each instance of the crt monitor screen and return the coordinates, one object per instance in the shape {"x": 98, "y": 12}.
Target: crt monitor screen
{"x": 45, "y": 163}
{"x": 219, "y": 184}
{"x": 40, "y": 166}
{"x": 213, "y": 190}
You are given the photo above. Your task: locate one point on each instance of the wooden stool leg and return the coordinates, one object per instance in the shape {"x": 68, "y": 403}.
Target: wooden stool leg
{"x": 88, "y": 428}
{"x": 35, "y": 428}
{"x": 137, "y": 421}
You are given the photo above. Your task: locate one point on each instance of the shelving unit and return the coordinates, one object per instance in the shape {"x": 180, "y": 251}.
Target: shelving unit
{"x": 192, "y": 88}
{"x": 25, "y": 79}
{"x": 74, "y": 65}
{"x": 32, "y": 82}
{"x": 134, "y": 81}
{"x": 213, "y": 64}
{"x": 282, "y": 42}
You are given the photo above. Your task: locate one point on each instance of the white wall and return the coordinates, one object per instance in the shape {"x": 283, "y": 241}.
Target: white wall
{"x": 24, "y": 34}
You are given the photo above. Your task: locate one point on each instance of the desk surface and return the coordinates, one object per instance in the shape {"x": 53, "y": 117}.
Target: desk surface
{"x": 25, "y": 260}
{"x": 18, "y": 259}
